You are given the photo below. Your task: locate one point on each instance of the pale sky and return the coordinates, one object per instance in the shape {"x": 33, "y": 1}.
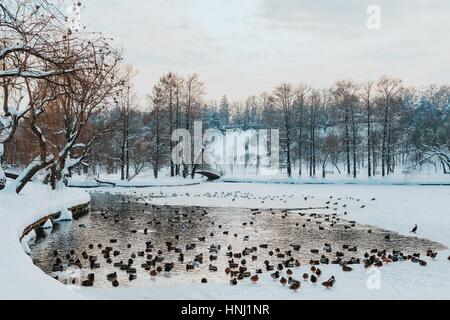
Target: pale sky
{"x": 245, "y": 47}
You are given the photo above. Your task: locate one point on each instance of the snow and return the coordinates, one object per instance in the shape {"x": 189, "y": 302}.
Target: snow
{"x": 395, "y": 179}
{"x": 48, "y": 224}
{"x": 2, "y": 174}
{"x": 66, "y": 215}
{"x": 19, "y": 277}
{"x": 396, "y": 208}
{"x": 138, "y": 182}
{"x": 31, "y": 236}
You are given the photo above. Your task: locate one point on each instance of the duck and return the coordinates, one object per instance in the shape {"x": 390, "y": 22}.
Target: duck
{"x": 329, "y": 283}
{"x": 112, "y": 276}
{"x": 190, "y": 266}
{"x": 212, "y": 268}
{"x": 346, "y": 268}
{"x": 254, "y": 279}
{"x": 115, "y": 283}
{"x": 132, "y": 277}
{"x": 313, "y": 279}
{"x": 283, "y": 281}
{"x": 295, "y": 286}
{"x": 275, "y": 275}
{"x": 269, "y": 267}
{"x": 233, "y": 282}
{"x": 289, "y": 272}
{"x": 204, "y": 280}
{"x": 153, "y": 273}
{"x": 87, "y": 283}
{"x": 168, "y": 267}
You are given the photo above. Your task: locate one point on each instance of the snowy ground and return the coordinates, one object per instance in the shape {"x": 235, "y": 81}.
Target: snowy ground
{"x": 138, "y": 182}
{"x": 396, "y": 208}
{"x": 394, "y": 179}
{"x": 19, "y": 278}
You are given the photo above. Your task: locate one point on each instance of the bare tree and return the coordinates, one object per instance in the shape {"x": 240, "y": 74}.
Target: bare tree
{"x": 284, "y": 96}
{"x": 330, "y": 148}
{"x": 389, "y": 90}
{"x": 346, "y": 100}
{"x": 302, "y": 93}
{"x": 53, "y": 64}
{"x": 367, "y": 96}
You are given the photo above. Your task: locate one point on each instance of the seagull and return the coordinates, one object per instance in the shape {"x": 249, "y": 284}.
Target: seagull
{"x": 414, "y": 230}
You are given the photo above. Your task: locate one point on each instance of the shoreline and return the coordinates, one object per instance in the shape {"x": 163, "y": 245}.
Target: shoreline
{"x": 20, "y": 278}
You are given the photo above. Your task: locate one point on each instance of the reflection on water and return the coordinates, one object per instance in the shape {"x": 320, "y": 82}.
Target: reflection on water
{"x": 133, "y": 224}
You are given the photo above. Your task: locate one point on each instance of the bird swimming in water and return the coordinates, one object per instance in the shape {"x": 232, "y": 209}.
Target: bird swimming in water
{"x": 275, "y": 275}
{"x": 153, "y": 273}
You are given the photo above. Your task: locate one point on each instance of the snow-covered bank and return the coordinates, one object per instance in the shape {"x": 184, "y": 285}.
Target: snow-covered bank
{"x": 395, "y": 208}
{"x": 19, "y": 277}
{"x": 396, "y": 179}
{"x": 139, "y": 182}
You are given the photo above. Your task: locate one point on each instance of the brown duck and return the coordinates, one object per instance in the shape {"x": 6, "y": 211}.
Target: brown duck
{"x": 329, "y": 283}
{"x": 295, "y": 286}
{"x": 254, "y": 279}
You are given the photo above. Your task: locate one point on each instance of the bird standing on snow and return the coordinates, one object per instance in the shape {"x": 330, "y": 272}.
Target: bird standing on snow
{"x": 330, "y": 283}
{"x": 414, "y": 230}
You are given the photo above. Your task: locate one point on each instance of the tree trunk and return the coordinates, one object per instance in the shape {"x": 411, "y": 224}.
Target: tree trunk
{"x": 354, "y": 142}
{"x": 383, "y": 149}
{"x": 369, "y": 147}
{"x": 347, "y": 140}
{"x": 324, "y": 164}
{"x": 172, "y": 166}
{"x": 27, "y": 175}
{"x": 300, "y": 141}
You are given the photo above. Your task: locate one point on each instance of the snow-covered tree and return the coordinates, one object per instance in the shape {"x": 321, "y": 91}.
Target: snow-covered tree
{"x": 48, "y": 64}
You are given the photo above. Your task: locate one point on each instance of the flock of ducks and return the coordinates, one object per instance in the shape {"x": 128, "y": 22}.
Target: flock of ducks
{"x": 247, "y": 263}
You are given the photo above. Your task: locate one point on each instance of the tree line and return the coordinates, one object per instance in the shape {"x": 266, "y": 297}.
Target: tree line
{"x": 367, "y": 129}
